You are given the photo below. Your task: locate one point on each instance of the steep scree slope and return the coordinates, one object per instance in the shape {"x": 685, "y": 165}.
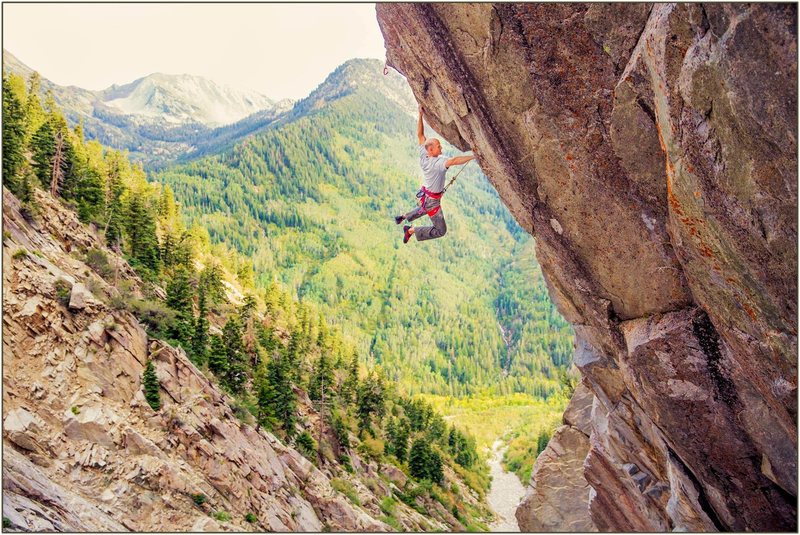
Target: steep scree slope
{"x": 83, "y": 451}
{"x": 651, "y": 149}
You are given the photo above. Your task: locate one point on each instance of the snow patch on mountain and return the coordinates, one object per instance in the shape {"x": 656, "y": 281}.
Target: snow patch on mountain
{"x": 184, "y": 98}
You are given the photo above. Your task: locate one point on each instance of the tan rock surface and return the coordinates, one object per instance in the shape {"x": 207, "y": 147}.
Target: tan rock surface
{"x": 651, "y": 149}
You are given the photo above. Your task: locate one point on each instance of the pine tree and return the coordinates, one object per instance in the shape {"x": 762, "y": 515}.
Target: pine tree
{"x": 141, "y": 230}
{"x": 218, "y": 357}
{"x": 294, "y": 354}
{"x": 211, "y": 280}
{"x": 322, "y": 379}
{"x": 350, "y": 385}
{"x": 283, "y": 399}
{"x": 34, "y": 113}
{"x": 43, "y": 146}
{"x": 151, "y": 386}
{"x": 115, "y": 187}
{"x": 435, "y": 470}
{"x": 179, "y": 299}
{"x": 400, "y": 445}
{"x": 418, "y": 459}
{"x": 200, "y": 335}
{"x": 13, "y": 137}
{"x": 264, "y": 397}
{"x": 371, "y": 400}
{"x": 236, "y": 372}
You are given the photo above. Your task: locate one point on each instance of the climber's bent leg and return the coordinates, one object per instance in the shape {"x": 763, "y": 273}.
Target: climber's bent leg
{"x": 416, "y": 213}
{"x": 438, "y": 227}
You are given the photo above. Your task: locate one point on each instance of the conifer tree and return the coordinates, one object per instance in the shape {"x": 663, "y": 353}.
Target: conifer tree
{"x": 211, "y": 280}
{"x": 34, "y": 113}
{"x": 370, "y": 401}
{"x": 400, "y": 440}
{"x": 264, "y": 397}
{"x": 43, "y": 147}
{"x": 321, "y": 383}
{"x": 418, "y": 459}
{"x": 294, "y": 354}
{"x": 179, "y": 298}
{"x": 200, "y": 335}
{"x": 141, "y": 230}
{"x": 115, "y": 187}
{"x": 236, "y": 372}
{"x": 151, "y": 386}
{"x": 13, "y": 137}
{"x": 283, "y": 399}
{"x": 350, "y": 385}
{"x": 218, "y": 357}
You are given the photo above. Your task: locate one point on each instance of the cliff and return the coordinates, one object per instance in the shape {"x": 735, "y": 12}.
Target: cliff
{"x": 83, "y": 450}
{"x": 651, "y": 150}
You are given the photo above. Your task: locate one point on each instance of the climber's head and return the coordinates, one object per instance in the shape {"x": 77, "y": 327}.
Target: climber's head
{"x": 433, "y": 147}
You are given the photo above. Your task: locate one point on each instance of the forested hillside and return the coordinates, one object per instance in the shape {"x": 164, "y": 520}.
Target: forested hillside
{"x": 311, "y": 202}
{"x": 285, "y": 368}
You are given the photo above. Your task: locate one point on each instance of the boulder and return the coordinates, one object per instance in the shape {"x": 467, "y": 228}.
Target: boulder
{"x": 558, "y": 496}
{"x": 81, "y": 298}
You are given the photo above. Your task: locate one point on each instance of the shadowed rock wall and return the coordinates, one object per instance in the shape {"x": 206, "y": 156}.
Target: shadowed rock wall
{"x": 651, "y": 149}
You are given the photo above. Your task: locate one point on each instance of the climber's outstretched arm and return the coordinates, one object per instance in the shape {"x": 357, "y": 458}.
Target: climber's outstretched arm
{"x": 458, "y": 160}
{"x": 420, "y": 128}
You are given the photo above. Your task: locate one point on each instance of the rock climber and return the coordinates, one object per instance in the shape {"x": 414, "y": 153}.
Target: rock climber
{"x": 434, "y": 166}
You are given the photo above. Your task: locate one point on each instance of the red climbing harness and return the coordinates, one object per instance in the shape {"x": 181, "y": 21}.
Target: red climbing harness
{"x": 423, "y": 195}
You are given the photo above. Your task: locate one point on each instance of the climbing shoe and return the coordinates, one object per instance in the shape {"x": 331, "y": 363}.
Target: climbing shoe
{"x": 407, "y": 234}
{"x": 399, "y": 219}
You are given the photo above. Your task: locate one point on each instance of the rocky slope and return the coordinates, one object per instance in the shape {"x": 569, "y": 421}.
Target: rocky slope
{"x": 651, "y": 149}
{"x": 82, "y": 449}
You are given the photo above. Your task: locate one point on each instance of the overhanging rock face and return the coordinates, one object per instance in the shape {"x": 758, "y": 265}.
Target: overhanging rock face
{"x": 651, "y": 149}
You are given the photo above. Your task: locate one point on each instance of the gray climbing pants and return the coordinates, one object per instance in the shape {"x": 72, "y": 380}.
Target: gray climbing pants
{"x": 439, "y": 227}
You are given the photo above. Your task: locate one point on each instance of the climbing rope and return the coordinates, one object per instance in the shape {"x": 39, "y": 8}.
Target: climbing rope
{"x": 455, "y": 177}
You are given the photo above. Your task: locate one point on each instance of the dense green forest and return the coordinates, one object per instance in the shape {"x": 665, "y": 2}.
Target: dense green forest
{"x": 259, "y": 343}
{"x": 311, "y": 203}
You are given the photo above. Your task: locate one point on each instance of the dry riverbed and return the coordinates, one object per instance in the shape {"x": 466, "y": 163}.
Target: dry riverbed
{"x": 505, "y": 493}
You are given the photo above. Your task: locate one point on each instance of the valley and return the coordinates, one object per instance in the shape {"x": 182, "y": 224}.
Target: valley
{"x": 292, "y": 223}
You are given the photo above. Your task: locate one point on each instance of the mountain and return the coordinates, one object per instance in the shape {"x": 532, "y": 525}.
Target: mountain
{"x": 150, "y": 385}
{"x": 310, "y": 200}
{"x": 160, "y": 117}
{"x": 182, "y": 99}
{"x": 358, "y": 75}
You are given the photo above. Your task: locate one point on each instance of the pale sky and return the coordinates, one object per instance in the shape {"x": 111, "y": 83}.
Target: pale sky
{"x": 280, "y": 50}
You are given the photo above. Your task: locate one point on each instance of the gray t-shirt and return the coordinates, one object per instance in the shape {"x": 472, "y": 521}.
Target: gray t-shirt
{"x": 433, "y": 170}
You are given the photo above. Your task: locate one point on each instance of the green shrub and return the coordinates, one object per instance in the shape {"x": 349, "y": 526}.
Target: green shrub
{"x": 251, "y": 518}
{"x": 6, "y": 522}
{"x": 122, "y": 300}
{"x": 306, "y": 445}
{"x": 387, "y": 505}
{"x": 393, "y": 522}
{"x": 98, "y": 261}
{"x": 19, "y": 253}
{"x": 221, "y": 516}
{"x": 6, "y": 235}
{"x": 63, "y": 291}
{"x": 242, "y": 412}
{"x": 75, "y": 410}
{"x": 156, "y": 316}
{"x": 372, "y": 447}
{"x": 344, "y": 460}
{"x": 346, "y": 488}
{"x": 199, "y": 499}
